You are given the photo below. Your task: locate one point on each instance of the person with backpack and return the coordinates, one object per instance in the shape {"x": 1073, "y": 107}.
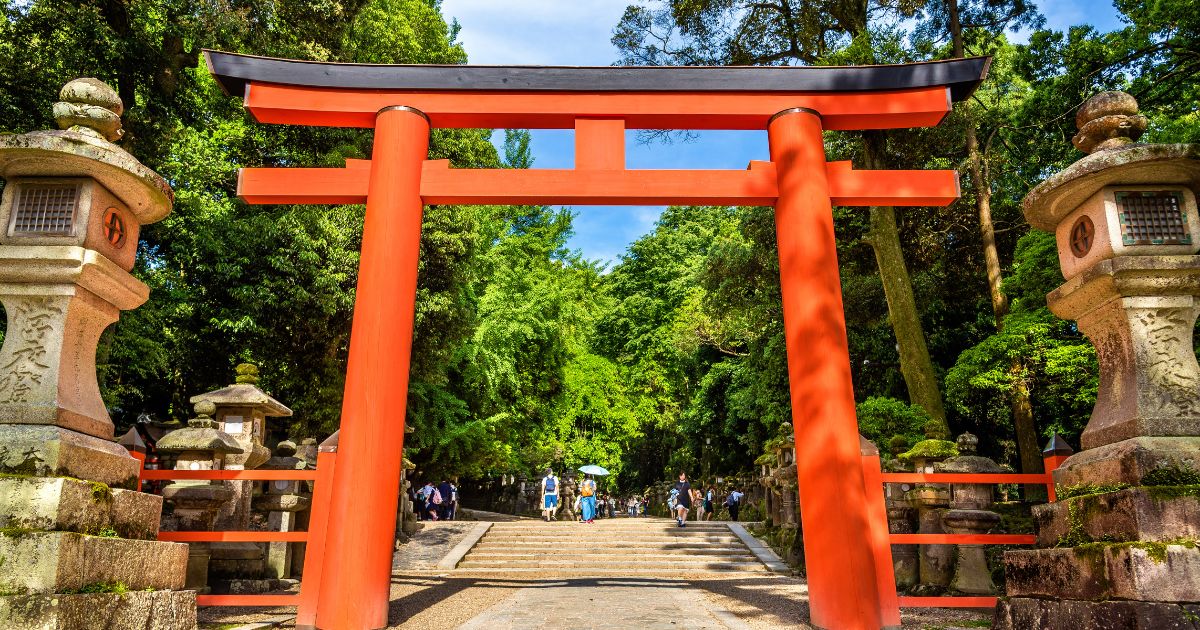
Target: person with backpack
{"x": 587, "y": 493}
{"x": 734, "y": 503}
{"x": 708, "y": 502}
{"x": 431, "y": 499}
{"x": 683, "y": 499}
{"x": 550, "y": 491}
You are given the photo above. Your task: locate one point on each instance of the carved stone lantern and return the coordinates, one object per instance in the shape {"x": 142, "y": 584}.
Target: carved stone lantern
{"x": 69, "y": 219}
{"x": 199, "y": 446}
{"x": 936, "y": 562}
{"x": 241, "y": 411}
{"x": 970, "y": 514}
{"x": 1117, "y": 554}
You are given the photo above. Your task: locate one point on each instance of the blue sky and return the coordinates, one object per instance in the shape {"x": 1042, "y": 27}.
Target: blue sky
{"x": 576, "y": 33}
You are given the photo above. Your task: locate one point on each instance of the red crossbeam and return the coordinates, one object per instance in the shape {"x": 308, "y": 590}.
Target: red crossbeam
{"x": 244, "y": 536}
{"x": 441, "y": 184}
{"x": 247, "y": 600}
{"x": 962, "y": 539}
{"x": 346, "y": 107}
{"x": 980, "y": 478}
{"x": 229, "y": 475}
{"x": 947, "y": 602}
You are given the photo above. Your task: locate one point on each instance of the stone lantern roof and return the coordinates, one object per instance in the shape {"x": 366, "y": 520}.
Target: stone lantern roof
{"x": 245, "y": 393}
{"x": 89, "y": 114}
{"x": 201, "y": 434}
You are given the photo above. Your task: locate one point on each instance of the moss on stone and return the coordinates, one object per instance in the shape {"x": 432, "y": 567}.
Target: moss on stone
{"x": 101, "y": 493}
{"x": 1173, "y": 475}
{"x": 930, "y": 449}
{"x": 1156, "y": 551}
{"x": 115, "y": 586}
{"x": 17, "y": 532}
{"x": 1162, "y": 493}
{"x": 1087, "y": 489}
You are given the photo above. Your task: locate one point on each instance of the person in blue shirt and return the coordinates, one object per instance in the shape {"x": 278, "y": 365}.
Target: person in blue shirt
{"x": 550, "y": 486}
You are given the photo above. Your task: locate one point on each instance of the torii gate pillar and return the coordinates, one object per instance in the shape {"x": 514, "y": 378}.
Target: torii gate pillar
{"x": 362, "y": 514}
{"x": 843, "y": 588}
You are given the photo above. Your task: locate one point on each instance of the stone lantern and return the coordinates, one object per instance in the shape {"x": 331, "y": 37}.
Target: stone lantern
{"x": 198, "y": 446}
{"x": 69, "y": 219}
{"x": 282, "y": 501}
{"x": 1125, "y": 219}
{"x": 970, "y": 514}
{"x": 936, "y": 562}
{"x": 241, "y": 411}
{"x": 70, "y": 213}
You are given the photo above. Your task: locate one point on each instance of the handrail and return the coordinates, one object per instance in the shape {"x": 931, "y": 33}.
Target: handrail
{"x": 306, "y": 600}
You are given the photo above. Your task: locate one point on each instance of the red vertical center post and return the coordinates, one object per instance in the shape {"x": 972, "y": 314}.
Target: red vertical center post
{"x": 843, "y": 591}
{"x": 366, "y": 484}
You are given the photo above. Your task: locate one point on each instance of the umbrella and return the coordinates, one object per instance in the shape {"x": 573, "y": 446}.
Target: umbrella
{"x": 592, "y": 469}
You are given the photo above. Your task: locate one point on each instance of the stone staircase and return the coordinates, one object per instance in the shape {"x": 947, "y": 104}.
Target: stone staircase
{"x": 625, "y": 546}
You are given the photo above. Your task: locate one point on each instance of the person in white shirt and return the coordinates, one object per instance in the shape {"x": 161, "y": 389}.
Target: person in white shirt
{"x": 550, "y": 487}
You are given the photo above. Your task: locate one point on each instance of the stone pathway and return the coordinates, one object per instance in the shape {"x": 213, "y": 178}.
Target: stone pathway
{"x": 606, "y": 603}
{"x": 423, "y": 597}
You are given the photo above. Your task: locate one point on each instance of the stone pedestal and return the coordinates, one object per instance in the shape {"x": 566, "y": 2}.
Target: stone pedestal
{"x": 1119, "y": 550}
{"x": 970, "y": 514}
{"x": 282, "y": 501}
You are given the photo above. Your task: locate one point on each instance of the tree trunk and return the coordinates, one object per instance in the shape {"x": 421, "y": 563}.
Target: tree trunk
{"x": 915, "y": 364}
{"x": 1022, "y": 407}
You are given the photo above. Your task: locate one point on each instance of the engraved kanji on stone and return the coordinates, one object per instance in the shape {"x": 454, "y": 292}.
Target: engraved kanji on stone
{"x": 26, "y": 365}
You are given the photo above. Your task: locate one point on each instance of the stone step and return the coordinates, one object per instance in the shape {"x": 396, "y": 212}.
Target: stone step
{"x": 591, "y": 557}
{"x": 75, "y": 505}
{"x": 54, "y": 562}
{"x": 680, "y": 565}
{"x": 607, "y": 571}
{"x": 711, "y": 550}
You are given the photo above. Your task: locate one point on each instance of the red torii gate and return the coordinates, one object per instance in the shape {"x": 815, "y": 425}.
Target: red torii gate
{"x": 847, "y": 552}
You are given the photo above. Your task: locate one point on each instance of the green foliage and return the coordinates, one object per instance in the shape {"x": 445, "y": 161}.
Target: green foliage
{"x": 880, "y": 419}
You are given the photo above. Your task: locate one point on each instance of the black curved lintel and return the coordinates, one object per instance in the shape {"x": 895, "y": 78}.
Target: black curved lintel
{"x": 961, "y": 76}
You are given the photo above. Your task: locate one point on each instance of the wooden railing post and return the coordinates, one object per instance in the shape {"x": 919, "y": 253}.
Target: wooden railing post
{"x": 314, "y": 550}
{"x": 878, "y": 534}
{"x": 1056, "y": 452}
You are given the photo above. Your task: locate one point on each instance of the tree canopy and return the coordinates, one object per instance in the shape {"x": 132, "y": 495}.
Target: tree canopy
{"x": 526, "y": 353}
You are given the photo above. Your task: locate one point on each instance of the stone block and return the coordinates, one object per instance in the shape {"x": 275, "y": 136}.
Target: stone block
{"x": 135, "y": 610}
{"x": 1020, "y": 613}
{"x": 1099, "y": 571}
{"x": 50, "y": 451}
{"x": 54, "y": 562}
{"x": 66, "y": 504}
{"x": 1128, "y": 461}
{"x": 1149, "y": 514}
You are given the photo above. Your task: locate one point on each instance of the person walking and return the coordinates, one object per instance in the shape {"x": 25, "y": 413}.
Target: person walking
{"x": 587, "y": 493}
{"x": 550, "y": 492}
{"x": 683, "y": 499}
{"x": 734, "y": 503}
{"x": 698, "y": 501}
{"x": 447, "y": 494}
{"x": 708, "y": 502}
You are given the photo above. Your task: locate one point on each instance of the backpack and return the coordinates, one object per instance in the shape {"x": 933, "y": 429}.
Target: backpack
{"x": 673, "y": 500}
{"x": 588, "y": 488}
{"x": 551, "y": 484}
{"x": 437, "y": 497}
{"x": 732, "y": 500}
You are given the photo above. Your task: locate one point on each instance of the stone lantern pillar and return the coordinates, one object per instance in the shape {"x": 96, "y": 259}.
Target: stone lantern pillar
{"x": 69, "y": 218}
{"x": 198, "y": 446}
{"x": 1117, "y": 550}
{"x": 969, "y": 514}
{"x": 282, "y": 501}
